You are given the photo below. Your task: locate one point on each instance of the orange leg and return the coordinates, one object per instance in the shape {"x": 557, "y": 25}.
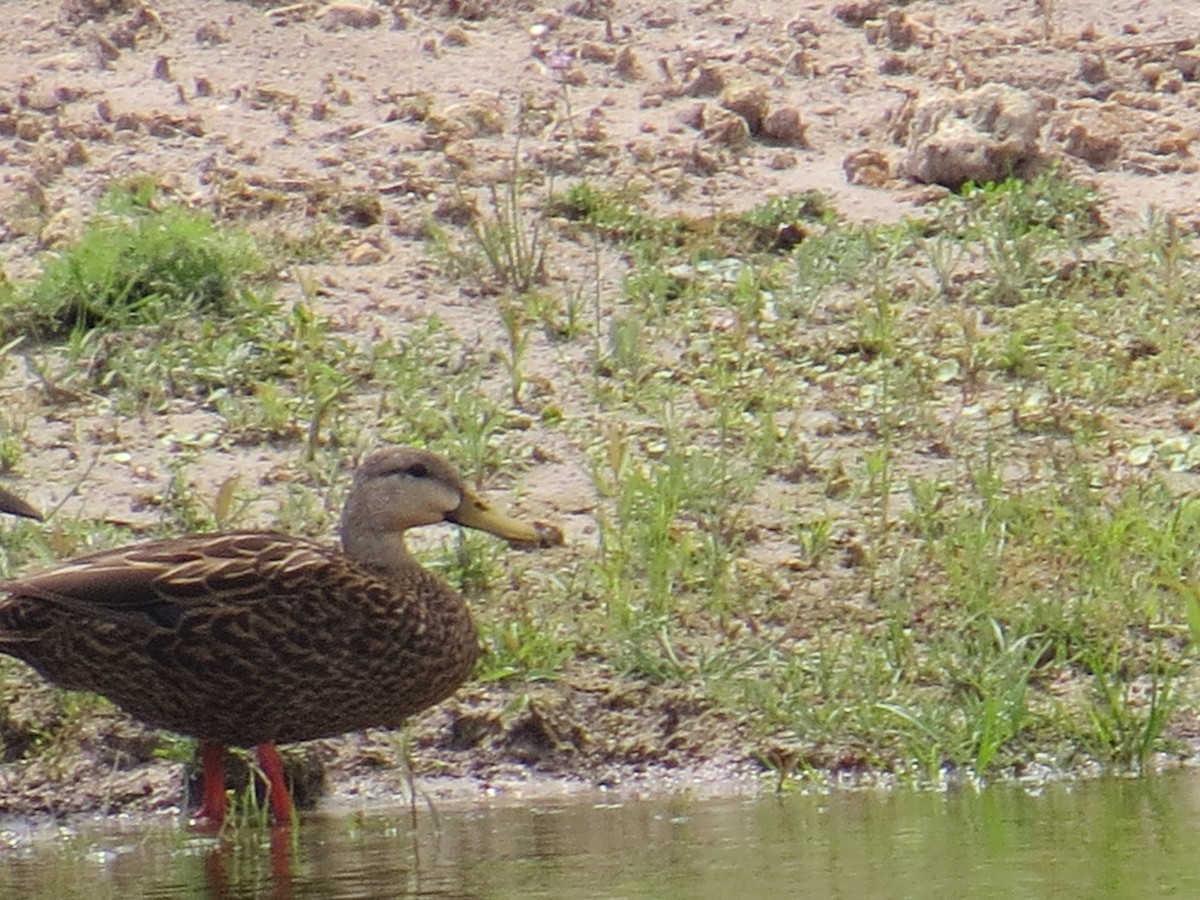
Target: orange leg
{"x": 212, "y": 759}
{"x": 277, "y": 791}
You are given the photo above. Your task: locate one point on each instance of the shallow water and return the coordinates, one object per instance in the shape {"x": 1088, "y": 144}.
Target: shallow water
{"x": 1113, "y": 838}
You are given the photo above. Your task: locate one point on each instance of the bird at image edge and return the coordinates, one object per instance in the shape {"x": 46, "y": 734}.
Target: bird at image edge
{"x": 252, "y": 639}
{"x": 11, "y": 503}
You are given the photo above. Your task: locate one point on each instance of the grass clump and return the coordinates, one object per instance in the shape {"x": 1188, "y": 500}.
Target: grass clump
{"x": 621, "y": 217}
{"x": 138, "y": 261}
{"x": 504, "y": 247}
{"x": 616, "y": 216}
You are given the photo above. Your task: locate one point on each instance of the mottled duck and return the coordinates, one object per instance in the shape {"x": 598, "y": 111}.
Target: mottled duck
{"x": 252, "y": 639}
{"x": 11, "y": 503}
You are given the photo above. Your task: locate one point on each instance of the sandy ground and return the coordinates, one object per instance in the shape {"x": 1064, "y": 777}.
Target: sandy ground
{"x": 258, "y": 114}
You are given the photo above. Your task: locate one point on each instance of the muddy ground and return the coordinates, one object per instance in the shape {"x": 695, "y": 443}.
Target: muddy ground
{"x": 256, "y": 112}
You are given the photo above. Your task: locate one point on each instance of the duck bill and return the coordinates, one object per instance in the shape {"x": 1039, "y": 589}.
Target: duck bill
{"x": 473, "y": 512}
{"x": 11, "y": 503}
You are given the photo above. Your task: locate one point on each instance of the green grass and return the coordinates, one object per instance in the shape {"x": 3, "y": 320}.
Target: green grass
{"x": 138, "y": 261}
{"x": 901, "y": 499}
{"x": 504, "y": 245}
{"x": 1012, "y": 567}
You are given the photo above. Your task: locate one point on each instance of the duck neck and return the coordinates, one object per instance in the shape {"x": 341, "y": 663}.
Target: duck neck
{"x": 381, "y": 551}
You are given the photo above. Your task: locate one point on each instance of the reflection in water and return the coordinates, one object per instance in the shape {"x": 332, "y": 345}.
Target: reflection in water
{"x": 1113, "y": 838}
{"x": 219, "y": 881}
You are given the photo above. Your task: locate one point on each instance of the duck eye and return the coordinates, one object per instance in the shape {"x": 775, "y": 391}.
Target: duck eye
{"x": 412, "y": 470}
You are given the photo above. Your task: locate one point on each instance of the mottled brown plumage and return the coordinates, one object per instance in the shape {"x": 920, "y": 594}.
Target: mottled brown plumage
{"x": 256, "y": 638}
